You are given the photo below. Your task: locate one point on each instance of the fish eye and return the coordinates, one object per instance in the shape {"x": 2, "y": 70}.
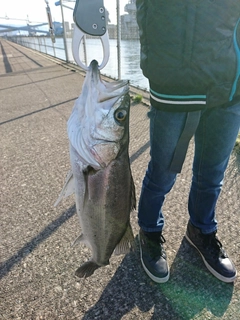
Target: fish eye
{"x": 120, "y": 115}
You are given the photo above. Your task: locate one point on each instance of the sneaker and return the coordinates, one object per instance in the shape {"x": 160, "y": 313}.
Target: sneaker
{"x": 153, "y": 256}
{"x": 212, "y": 253}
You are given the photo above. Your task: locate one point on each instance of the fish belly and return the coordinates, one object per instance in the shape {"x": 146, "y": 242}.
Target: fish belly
{"x": 103, "y": 201}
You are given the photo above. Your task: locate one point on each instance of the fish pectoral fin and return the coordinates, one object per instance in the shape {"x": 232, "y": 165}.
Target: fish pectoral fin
{"x": 67, "y": 189}
{"x": 78, "y": 240}
{"x": 86, "y": 269}
{"x": 126, "y": 243}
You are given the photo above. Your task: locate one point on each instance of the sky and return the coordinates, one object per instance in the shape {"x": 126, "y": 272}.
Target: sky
{"x": 35, "y": 10}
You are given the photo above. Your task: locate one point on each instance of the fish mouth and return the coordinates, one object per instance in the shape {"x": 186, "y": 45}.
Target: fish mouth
{"x": 94, "y": 72}
{"x": 106, "y": 90}
{"x": 93, "y": 67}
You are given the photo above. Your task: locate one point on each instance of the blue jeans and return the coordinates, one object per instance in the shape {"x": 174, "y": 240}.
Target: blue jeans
{"x": 214, "y": 140}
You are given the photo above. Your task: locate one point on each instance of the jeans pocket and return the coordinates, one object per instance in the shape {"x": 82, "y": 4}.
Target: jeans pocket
{"x": 235, "y": 109}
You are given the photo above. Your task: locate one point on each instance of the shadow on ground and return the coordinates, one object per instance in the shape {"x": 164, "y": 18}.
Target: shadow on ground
{"x": 7, "y": 266}
{"x": 190, "y": 291}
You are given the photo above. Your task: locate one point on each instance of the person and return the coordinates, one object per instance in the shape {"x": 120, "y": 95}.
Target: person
{"x": 191, "y": 57}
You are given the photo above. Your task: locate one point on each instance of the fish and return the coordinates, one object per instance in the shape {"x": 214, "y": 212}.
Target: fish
{"x": 100, "y": 175}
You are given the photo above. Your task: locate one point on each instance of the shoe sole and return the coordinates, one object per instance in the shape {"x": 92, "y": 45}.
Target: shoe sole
{"x": 214, "y": 272}
{"x": 154, "y": 278}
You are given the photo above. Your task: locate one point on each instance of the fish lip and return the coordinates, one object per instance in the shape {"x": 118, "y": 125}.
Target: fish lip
{"x": 94, "y": 66}
{"x": 107, "y": 90}
{"x": 93, "y": 74}
{"x": 94, "y": 71}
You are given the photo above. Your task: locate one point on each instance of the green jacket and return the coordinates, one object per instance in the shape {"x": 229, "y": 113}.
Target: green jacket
{"x": 190, "y": 52}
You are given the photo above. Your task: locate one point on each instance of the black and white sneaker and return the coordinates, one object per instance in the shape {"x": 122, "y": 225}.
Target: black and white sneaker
{"x": 153, "y": 256}
{"x": 212, "y": 253}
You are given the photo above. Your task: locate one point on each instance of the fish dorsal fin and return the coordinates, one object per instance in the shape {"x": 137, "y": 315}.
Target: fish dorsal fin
{"x": 67, "y": 189}
{"x": 126, "y": 243}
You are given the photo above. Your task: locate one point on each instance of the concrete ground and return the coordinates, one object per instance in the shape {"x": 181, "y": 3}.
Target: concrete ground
{"x": 37, "y": 94}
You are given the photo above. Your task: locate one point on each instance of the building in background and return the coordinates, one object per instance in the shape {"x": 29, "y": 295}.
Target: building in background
{"x": 129, "y": 27}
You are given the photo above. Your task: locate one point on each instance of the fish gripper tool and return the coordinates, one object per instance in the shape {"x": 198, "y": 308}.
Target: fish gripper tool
{"x": 90, "y": 19}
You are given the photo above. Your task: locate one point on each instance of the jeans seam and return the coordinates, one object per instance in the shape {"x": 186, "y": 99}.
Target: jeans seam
{"x": 151, "y": 138}
{"x": 200, "y": 168}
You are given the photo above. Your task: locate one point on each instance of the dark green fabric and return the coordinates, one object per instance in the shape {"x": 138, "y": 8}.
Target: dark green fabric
{"x": 187, "y": 46}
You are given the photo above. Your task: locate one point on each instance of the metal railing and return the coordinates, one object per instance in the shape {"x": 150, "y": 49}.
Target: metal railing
{"x": 41, "y": 44}
{"x": 124, "y": 59}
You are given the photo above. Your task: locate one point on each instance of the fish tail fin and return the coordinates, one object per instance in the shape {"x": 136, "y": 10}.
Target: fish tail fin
{"x": 126, "y": 243}
{"x": 86, "y": 269}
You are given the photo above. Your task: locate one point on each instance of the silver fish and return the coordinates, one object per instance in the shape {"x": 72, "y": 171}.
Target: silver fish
{"x": 98, "y": 131}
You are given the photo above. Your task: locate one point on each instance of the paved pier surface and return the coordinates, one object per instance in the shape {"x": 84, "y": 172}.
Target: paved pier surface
{"x": 37, "y": 94}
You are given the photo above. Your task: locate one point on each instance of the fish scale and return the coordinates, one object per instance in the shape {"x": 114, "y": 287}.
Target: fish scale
{"x": 100, "y": 173}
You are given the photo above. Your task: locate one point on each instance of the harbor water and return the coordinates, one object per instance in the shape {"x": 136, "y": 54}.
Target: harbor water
{"x": 130, "y": 55}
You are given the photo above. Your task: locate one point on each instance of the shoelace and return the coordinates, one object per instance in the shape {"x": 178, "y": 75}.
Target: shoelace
{"x": 155, "y": 246}
{"x": 213, "y": 245}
